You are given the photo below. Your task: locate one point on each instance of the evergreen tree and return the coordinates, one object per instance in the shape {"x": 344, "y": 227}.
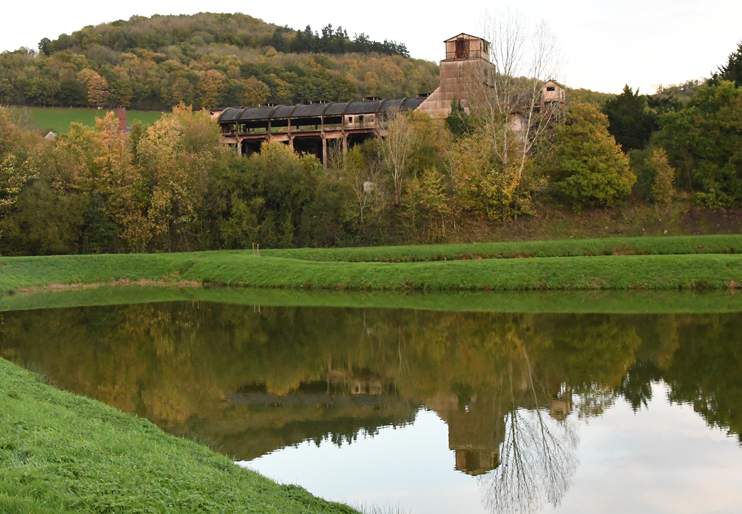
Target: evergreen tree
{"x": 629, "y": 119}
{"x": 732, "y": 70}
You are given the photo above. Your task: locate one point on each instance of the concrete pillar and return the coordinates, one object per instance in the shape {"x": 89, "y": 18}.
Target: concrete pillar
{"x": 324, "y": 150}
{"x": 345, "y": 144}
{"x": 239, "y": 146}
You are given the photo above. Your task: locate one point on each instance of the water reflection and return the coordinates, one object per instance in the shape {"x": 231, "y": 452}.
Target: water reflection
{"x": 251, "y": 381}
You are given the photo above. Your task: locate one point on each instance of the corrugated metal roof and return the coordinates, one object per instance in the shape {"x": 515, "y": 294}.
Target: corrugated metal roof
{"x": 410, "y": 104}
{"x": 230, "y": 114}
{"x": 282, "y": 111}
{"x": 309, "y": 111}
{"x": 390, "y": 105}
{"x": 362, "y": 107}
{"x": 256, "y": 113}
{"x": 336, "y": 109}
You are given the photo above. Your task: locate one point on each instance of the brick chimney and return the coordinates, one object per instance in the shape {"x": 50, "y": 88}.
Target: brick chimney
{"x": 121, "y": 116}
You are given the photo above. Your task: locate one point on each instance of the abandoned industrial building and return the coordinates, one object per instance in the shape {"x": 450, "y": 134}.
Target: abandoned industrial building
{"x": 315, "y": 128}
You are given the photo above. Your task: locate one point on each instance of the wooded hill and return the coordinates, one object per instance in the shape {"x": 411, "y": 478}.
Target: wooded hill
{"x": 208, "y": 60}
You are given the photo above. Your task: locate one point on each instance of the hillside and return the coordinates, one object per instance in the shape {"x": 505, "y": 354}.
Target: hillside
{"x": 207, "y": 60}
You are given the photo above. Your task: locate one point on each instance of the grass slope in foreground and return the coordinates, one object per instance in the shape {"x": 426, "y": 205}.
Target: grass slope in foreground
{"x": 64, "y": 453}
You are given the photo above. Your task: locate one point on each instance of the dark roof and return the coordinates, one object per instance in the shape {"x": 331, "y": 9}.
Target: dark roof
{"x": 336, "y": 109}
{"x": 255, "y": 113}
{"x": 230, "y": 114}
{"x": 362, "y": 107}
{"x": 410, "y": 104}
{"x": 463, "y": 35}
{"x": 282, "y": 111}
{"x": 308, "y": 111}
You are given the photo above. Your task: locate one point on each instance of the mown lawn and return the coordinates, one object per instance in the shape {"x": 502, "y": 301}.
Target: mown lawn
{"x": 58, "y": 119}
{"x": 679, "y": 266}
{"x": 666, "y": 245}
{"x": 64, "y": 453}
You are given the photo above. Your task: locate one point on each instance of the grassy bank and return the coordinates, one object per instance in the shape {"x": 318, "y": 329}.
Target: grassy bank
{"x": 64, "y": 453}
{"x": 677, "y": 245}
{"x": 593, "y": 302}
{"x": 277, "y": 270}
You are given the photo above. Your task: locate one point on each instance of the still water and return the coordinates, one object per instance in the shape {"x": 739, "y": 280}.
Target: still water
{"x": 421, "y": 411}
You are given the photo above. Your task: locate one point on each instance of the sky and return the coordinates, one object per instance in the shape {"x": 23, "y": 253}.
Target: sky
{"x": 606, "y": 43}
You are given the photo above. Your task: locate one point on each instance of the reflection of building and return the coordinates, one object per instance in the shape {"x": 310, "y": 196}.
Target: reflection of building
{"x": 559, "y": 409}
{"x": 475, "y": 431}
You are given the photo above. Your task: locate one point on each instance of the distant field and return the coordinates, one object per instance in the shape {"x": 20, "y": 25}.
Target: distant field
{"x": 58, "y": 119}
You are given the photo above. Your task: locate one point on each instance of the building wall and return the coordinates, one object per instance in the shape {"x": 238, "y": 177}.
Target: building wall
{"x": 458, "y": 78}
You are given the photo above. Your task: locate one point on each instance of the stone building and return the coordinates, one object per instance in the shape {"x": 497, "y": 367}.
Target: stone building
{"x": 467, "y": 64}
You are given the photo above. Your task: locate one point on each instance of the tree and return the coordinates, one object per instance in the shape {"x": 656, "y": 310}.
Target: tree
{"x": 256, "y": 92}
{"x": 664, "y": 176}
{"x": 703, "y": 141}
{"x": 96, "y": 86}
{"x": 732, "y": 70}
{"x": 211, "y": 84}
{"x": 505, "y": 104}
{"x": 629, "y": 119}
{"x": 396, "y": 149}
{"x": 591, "y": 169}
{"x": 501, "y": 95}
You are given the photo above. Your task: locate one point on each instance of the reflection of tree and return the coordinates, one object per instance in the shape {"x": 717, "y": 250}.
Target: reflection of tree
{"x": 537, "y": 461}
{"x": 538, "y": 454}
{"x": 636, "y": 386}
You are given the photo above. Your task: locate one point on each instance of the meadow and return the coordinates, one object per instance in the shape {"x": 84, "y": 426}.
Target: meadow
{"x": 58, "y": 119}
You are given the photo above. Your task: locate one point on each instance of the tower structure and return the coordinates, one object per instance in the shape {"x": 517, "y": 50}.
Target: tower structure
{"x": 467, "y": 64}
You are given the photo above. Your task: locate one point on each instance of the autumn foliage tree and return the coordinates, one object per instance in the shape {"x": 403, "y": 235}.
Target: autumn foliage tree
{"x": 591, "y": 169}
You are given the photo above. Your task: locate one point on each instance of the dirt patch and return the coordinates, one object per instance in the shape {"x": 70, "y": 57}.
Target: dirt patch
{"x": 114, "y": 283}
{"x": 623, "y": 251}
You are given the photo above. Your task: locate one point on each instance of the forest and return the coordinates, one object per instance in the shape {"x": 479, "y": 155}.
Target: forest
{"x": 207, "y": 60}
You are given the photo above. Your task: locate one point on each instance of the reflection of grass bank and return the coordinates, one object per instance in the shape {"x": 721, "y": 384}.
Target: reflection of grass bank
{"x": 683, "y": 263}
{"x": 608, "y": 302}
{"x": 63, "y": 453}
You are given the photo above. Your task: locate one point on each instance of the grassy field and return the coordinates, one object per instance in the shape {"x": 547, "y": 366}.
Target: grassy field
{"x": 675, "y": 245}
{"x": 683, "y": 269}
{"x": 58, "y": 119}
{"x": 64, "y": 453}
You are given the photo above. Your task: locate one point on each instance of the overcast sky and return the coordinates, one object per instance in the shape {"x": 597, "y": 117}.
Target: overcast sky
{"x": 606, "y": 43}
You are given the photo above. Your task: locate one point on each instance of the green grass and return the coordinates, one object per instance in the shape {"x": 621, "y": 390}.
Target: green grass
{"x": 58, "y": 119}
{"x": 64, "y": 453}
{"x": 603, "y": 302}
{"x": 272, "y": 270}
{"x": 565, "y": 248}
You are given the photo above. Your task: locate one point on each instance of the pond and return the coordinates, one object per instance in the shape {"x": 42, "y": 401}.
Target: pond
{"x": 424, "y": 411}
